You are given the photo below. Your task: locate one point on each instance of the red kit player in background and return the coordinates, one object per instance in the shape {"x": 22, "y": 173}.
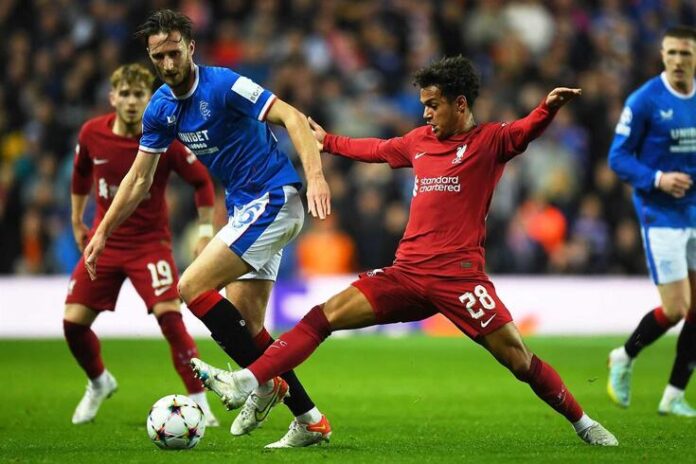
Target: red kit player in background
{"x": 439, "y": 265}
{"x": 139, "y": 249}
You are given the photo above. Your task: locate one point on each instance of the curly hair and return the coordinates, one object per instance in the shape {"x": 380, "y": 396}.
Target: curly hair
{"x": 165, "y": 21}
{"x": 453, "y": 75}
{"x": 131, "y": 74}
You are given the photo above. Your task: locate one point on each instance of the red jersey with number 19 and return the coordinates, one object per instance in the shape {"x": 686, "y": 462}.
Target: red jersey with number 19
{"x": 453, "y": 186}
{"x": 104, "y": 158}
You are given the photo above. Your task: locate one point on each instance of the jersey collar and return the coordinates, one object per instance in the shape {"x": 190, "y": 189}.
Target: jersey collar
{"x": 671, "y": 90}
{"x": 193, "y": 87}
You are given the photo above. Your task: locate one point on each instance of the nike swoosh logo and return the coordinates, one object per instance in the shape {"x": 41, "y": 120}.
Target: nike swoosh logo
{"x": 321, "y": 428}
{"x": 485, "y": 324}
{"x": 418, "y": 155}
{"x": 160, "y": 291}
{"x": 261, "y": 414}
{"x": 98, "y": 161}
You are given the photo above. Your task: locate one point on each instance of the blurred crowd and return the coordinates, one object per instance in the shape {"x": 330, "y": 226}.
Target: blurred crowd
{"x": 348, "y": 63}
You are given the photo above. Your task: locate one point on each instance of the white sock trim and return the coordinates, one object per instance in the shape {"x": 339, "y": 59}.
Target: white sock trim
{"x": 672, "y": 392}
{"x": 100, "y": 380}
{"x": 310, "y": 417}
{"x": 246, "y": 380}
{"x": 583, "y": 423}
{"x": 619, "y": 354}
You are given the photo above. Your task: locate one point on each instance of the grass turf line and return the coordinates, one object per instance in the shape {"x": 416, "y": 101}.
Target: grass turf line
{"x": 412, "y": 399}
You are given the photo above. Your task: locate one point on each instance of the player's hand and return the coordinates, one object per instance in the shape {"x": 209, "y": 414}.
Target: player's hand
{"x": 92, "y": 251}
{"x": 318, "y": 132}
{"x": 200, "y": 244}
{"x": 675, "y": 183}
{"x": 80, "y": 232}
{"x": 560, "y": 96}
{"x": 318, "y": 197}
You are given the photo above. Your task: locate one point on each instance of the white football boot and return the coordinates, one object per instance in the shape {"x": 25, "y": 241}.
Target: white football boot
{"x": 619, "y": 381}
{"x": 300, "y": 435}
{"x": 675, "y": 406}
{"x": 223, "y": 383}
{"x": 596, "y": 434}
{"x": 95, "y": 394}
{"x": 257, "y": 407}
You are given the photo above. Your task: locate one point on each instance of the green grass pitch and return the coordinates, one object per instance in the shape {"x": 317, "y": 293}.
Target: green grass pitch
{"x": 412, "y": 399}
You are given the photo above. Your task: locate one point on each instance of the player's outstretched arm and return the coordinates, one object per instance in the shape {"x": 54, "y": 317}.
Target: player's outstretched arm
{"x": 131, "y": 192}
{"x": 560, "y": 96}
{"x": 318, "y": 194}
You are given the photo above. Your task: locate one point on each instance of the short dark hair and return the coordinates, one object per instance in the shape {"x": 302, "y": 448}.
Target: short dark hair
{"x": 681, "y": 32}
{"x": 453, "y": 75}
{"x": 165, "y": 21}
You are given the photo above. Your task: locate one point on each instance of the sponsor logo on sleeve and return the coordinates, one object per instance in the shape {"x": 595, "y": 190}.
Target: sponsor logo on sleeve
{"x": 247, "y": 88}
{"x": 624, "y": 125}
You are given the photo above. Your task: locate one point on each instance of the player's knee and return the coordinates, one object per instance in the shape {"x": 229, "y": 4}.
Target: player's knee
{"x": 186, "y": 289}
{"x": 675, "y": 311}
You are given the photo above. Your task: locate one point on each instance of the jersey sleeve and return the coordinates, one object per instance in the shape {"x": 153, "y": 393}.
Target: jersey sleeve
{"x": 371, "y": 150}
{"x": 159, "y": 128}
{"x": 628, "y": 136}
{"x": 187, "y": 166}
{"x": 81, "y": 182}
{"x": 245, "y": 96}
{"x": 513, "y": 138}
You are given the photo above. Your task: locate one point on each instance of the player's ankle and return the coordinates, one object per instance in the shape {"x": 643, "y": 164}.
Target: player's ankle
{"x": 583, "y": 423}
{"x": 310, "y": 417}
{"x": 265, "y": 388}
{"x": 246, "y": 381}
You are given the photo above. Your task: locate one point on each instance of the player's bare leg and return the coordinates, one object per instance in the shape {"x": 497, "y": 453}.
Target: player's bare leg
{"x": 183, "y": 348}
{"x": 85, "y": 347}
{"x": 251, "y": 297}
{"x": 506, "y": 345}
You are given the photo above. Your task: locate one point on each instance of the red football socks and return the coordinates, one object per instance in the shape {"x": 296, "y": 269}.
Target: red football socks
{"x": 183, "y": 348}
{"x": 204, "y": 302}
{"x": 293, "y": 347}
{"x": 84, "y": 346}
{"x": 263, "y": 339}
{"x": 548, "y": 386}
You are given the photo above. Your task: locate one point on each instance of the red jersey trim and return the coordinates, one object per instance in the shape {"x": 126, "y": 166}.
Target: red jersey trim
{"x": 266, "y": 108}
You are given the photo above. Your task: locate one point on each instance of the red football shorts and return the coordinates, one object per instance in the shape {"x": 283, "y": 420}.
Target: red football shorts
{"x": 151, "y": 270}
{"x": 397, "y": 295}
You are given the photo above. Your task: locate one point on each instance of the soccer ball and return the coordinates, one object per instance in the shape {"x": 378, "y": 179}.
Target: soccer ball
{"x": 175, "y": 422}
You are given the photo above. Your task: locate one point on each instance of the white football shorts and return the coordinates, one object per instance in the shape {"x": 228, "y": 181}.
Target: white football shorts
{"x": 258, "y": 230}
{"x": 670, "y": 252}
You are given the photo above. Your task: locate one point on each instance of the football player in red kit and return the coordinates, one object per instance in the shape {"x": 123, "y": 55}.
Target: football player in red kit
{"x": 439, "y": 264}
{"x": 139, "y": 249}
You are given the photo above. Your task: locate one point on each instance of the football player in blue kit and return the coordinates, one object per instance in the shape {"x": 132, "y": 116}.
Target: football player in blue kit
{"x": 222, "y": 118}
{"x": 654, "y": 150}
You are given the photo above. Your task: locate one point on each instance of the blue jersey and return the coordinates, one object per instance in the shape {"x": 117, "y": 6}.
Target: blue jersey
{"x": 657, "y": 133}
{"x": 222, "y": 120}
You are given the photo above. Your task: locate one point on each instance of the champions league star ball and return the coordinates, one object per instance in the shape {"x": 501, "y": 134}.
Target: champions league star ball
{"x": 175, "y": 422}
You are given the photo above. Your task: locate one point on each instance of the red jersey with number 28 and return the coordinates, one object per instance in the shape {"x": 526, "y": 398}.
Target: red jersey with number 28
{"x": 453, "y": 186}
{"x": 104, "y": 158}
